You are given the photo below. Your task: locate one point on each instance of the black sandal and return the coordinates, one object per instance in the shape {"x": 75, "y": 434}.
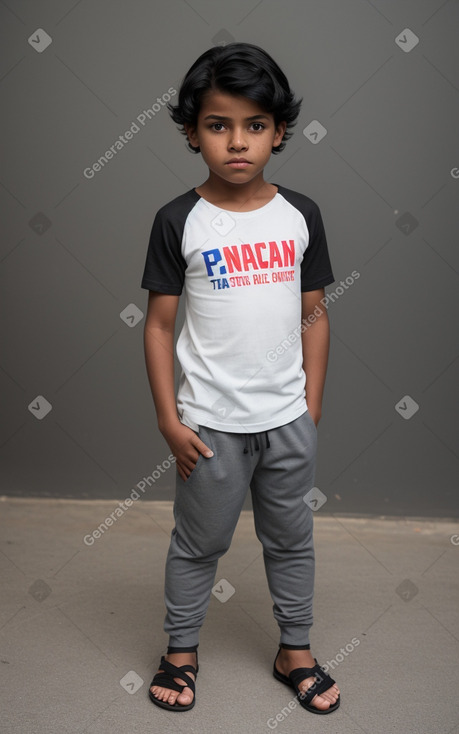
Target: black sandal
{"x": 322, "y": 683}
{"x": 165, "y": 679}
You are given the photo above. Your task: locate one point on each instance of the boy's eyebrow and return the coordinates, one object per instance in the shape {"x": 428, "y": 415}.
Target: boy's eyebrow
{"x": 247, "y": 119}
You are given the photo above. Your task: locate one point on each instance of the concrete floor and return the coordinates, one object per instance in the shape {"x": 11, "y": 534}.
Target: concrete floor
{"x": 81, "y": 625}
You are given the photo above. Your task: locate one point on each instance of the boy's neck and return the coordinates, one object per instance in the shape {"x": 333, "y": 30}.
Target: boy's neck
{"x": 237, "y": 197}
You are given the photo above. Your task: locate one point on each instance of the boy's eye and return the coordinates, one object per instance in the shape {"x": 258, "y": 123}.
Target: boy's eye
{"x": 219, "y": 126}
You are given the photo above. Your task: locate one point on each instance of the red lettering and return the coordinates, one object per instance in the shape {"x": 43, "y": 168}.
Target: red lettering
{"x": 274, "y": 255}
{"x": 260, "y": 279}
{"x": 253, "y": 257}
{"x": 289, "y": 252}
{"x": 258, "y": 246}
{"x": 248, "y": 258}
{"x": 232, "y": 258}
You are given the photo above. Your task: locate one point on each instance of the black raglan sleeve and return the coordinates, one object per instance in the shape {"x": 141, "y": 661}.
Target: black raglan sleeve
{"x": 165, "y": 265}
{"x": 316, "y": 270}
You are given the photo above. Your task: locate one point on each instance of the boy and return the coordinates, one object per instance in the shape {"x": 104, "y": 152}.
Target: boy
{"x": 253, "y": 259}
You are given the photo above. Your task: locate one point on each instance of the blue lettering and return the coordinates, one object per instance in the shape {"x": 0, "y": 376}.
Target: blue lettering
{"x": 219, "y": 283}
{"x": 211, "y": 258}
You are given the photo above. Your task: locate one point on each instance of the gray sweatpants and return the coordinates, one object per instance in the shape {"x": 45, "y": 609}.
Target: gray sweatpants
{"x": 279, "y": 467}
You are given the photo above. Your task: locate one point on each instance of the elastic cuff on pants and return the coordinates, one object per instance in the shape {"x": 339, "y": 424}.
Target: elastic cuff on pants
{"x": 171, "y": 649}
{"x": 295, "y": 647}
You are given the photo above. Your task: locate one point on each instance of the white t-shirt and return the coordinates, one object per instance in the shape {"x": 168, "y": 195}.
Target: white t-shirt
{"x": 240, "y": 347}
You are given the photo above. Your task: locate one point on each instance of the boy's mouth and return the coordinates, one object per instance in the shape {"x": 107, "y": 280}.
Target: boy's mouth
{"x": 238, "y": 163}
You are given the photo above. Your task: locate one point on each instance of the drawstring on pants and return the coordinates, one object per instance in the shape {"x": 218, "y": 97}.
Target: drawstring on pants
{"x": 248, "y": 443}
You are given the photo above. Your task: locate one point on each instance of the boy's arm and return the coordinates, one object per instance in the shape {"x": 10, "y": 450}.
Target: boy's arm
{"x": 316, "y": 340}
{"x": 185, "y": 444}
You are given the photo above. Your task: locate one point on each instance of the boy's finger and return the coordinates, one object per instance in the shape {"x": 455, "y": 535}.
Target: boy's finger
{"x": 203, "y": 449}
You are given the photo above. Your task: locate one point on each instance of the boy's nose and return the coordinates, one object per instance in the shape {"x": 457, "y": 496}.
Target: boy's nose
{"x": 238, "y": 141}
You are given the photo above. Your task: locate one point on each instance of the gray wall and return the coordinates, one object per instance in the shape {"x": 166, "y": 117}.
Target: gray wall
{"x": 386, "y": 176}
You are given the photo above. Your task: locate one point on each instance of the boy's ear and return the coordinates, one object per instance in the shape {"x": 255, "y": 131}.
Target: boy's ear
{"x": 191, "y": 135}
{"x": 280, "y": 132}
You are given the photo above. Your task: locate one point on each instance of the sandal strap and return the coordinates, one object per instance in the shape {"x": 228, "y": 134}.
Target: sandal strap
{"x": 190, "y": 668}
{"x": 299, "y": 674}
{"x": 166, "y": 681}
{"x": 169, "y": 671}
{"x": 322, "y": 681}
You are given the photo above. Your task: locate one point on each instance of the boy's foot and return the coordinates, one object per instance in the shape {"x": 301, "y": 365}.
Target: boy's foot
{"x": 166, "y": 694}
{"x": 288, "y": 660}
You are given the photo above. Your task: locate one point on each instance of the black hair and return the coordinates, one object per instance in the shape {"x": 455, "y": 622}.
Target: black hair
{"x": 239, "y": 69}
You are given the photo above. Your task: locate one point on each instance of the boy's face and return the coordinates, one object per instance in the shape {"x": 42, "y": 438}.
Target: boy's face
{"x": 235, "y": 135}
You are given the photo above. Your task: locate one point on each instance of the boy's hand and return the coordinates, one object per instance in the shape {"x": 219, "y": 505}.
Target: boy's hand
{"x": 186, "y": 446}
{"x": 315, "y": 414}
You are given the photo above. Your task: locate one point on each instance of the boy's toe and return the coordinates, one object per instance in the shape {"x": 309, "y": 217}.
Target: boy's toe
{"x": 185, "y": 697}
{"x": 324, "y": 700}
